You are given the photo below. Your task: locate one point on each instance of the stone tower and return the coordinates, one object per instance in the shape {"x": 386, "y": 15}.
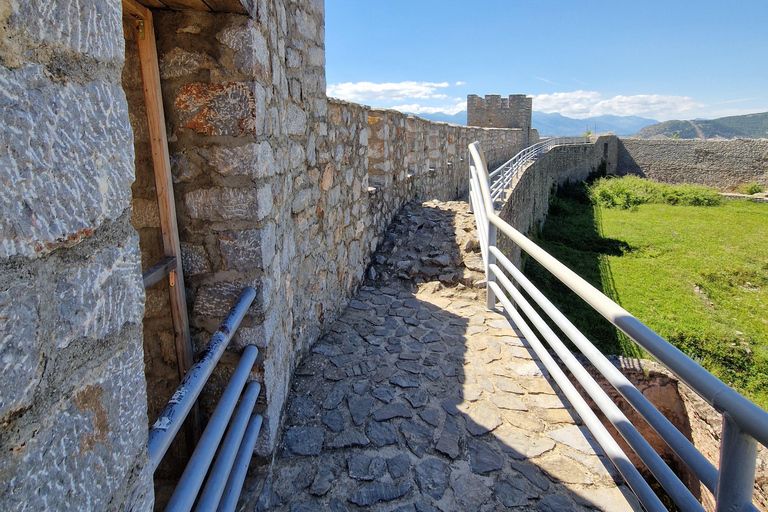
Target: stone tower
{"x": 497, "y": 112}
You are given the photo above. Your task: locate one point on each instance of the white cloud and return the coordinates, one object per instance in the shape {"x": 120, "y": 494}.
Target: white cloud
{"x": 580, "y": 104}
{"x": 398, "y": 91}
{"x": 415, "y": 108}
{"x": 461, "y": 83}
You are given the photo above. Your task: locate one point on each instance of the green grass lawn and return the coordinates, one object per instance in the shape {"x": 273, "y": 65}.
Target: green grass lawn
{"x": 697, "y": 275}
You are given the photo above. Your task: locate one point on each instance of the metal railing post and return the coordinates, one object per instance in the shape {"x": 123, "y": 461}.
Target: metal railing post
{"x": 490, "y": 297}
{"x": 736, "y": 479}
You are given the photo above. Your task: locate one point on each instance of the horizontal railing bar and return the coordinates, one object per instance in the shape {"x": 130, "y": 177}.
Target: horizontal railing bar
{"x": 611, "y": 448}
{"x": 184, "y": 495}
{"x": 696, "y": 462}
{"x": 750, "y": 418}
{"x": 162, "y": 433}
{"x": 240, "y": 467}
{"x": 218, "y": 476}
{"x": 159, "y": 271}
{"x": 664, "y": 475}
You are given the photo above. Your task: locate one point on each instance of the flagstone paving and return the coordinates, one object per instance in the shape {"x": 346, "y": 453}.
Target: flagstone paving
{"x": 419, "y": 399}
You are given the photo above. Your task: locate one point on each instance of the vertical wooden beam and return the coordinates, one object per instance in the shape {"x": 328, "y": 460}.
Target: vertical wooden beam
{"x": 150, "y": 73}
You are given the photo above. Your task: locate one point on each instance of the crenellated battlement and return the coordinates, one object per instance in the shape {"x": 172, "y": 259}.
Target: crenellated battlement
{"x": 497, "y": 112}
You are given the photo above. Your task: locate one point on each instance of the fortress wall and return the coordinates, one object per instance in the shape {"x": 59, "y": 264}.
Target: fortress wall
{"x": 715, "y": 163}
{"x": 528, "y": 202}
{"x": 73, "y": 400}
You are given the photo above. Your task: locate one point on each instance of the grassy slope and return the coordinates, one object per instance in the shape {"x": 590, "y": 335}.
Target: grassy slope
{"x": 696, "y": 275}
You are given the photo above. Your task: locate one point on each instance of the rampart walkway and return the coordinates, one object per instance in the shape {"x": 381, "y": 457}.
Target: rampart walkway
{"x": 420, "y": 399}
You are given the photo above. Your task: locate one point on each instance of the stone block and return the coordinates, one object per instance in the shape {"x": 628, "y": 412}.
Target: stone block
{"x": 215, "y": 300}
{"x": 94, "y": 298}
{"x": 219, "y": 203}
{"x": 83, "y": 453}
{"x": 228, "y": 108}
{"x": 250, "y": 47}
{"x": 241, "y": 250}
{"x": 194, "y": 260}
{"x": 179, "y": 62}
{"x": 67, "y": 163}
{"x": 145, "y": 213}
{"x": 20, "y": 357}
{"x": 295, "y": 120}
{"x": 254, "y": 160}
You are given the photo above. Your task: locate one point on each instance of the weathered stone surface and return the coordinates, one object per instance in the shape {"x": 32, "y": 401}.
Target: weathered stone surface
{"x": 305, "y": 440}
{"x": 432, "y": 477}
{"x": 482, "y": 458}
{"x": 336, "y": 395}
{"x": 470, "y": 491}
{"x": 449, "y": 438}
{"x": 525, "y": 446}
{"x": 78, "y": 174}
{"x": 405, "y": 380}
{"x": 349, "y": 437}
{"x": 362, "y": 467}
{"x": 333, "y": 420}
{"x": 417, "y": 436}
{"x": 359, "y": 408}
{"x": 194, "y": 260}
{"x": 220, "y": 204}
{"x": 375, "y": 492}
{"x": 554, "y": 503}
{"x": 396, "y": 410}
{"x": 218, "y": 109}
{"x": 482, "y": 420}
{"x": 290, "y": 481}
{"x": 513, "y": 492}
{"x": 381, "y": 434}
{"x": 398, "y": 465}
{"x": 240, "y": 250}
{"x": 577, "y": 438}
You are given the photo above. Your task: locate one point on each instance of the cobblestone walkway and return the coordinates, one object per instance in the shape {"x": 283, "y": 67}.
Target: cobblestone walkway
{"x": 419, "y": 399}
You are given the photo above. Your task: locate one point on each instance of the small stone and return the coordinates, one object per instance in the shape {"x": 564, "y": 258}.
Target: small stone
{"x": 333, "y": 420}
{"x": 381, "y": 434}
{"x": 425, "y": 507}
{"x": 359, "y": 305}
{"x": 410, "y": 366}
{"x": 432, "y": 373}
{"x": 267, "y": 499}
{"x": 291, "y": 480}
{"x": 349, "y": 437}
{"x": 508, "y": 402}
{"x": 482, "y": 420}
{"x": 359, "y": 408}
{"x": 555, "y": 503}
{"x": 431, "y": 416}
{"x": 525, "y": 446}
{"x": 416, "y": 436}
{"x": 451, "y": 406}
{"x": 305, "y": 440}
{"x": 302, "y": 408}
{"x": 482, "y": 458}
{"x": 362, "y": 467}
{"x": 383, "y": 373}
{"x": 532, "y": 473}
{"x": 335, "y": 396}
{"x": 432, "y": 477}
{"x": 336, "y": 505}
{"x": 361, "y": 387}
{"x": 384, "y": 393}
{"x": 508, "y": 495}
{"x": 470, "y": 492}
{"x": 405, "y": 380}
{"x": 577, "y": 438}
{"x": 417, "y": 398}
{"x": 396, "y": 410}
{"x": 431, "y": 337}
{"x": 323, "y": 479}
{"x": 304, "y": 506}
{"x": 398, "y": 465}
{"x": 449, "y": 438}
{"x": 375, "y": 492}
{"x": 509, "y": 386}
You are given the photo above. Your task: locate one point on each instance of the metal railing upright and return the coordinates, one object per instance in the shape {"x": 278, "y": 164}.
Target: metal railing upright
{"x": 744, "y": 423}
{"x": 501, "y": 179}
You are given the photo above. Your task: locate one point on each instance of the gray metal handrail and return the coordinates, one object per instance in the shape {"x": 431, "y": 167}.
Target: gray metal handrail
{"x": 228, "y": 472}
{"x": 744, "y": 423}
{"x": 501, "y": 179}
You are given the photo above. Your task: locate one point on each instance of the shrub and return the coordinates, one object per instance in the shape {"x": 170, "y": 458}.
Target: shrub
{"x": 751, "y": 188}
{"x": 630, "y": 191}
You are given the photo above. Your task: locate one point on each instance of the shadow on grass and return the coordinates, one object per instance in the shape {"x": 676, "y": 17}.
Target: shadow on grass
{"x": 573, "y": 234}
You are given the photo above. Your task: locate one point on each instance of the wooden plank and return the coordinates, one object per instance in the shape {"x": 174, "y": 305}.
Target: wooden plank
{"x": 159, "y": 271}
{"x": 233, "y": 6}
{"x": 153, "y": 4}
{"x": 135, "y": 9}
{"x": 159, "y": 142}
{"x": 184, "y": 5}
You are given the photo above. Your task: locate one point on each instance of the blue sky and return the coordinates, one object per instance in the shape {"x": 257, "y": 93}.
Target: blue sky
{"x": 663, "y": 60}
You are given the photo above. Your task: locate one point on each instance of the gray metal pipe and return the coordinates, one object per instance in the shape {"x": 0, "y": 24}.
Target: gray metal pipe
{"x": 240, "y": 467}
{"x": 164, "y": 430}
{"x": 696, "y": 462}
{"x": 219, "y": 473}
{"x": 614, "y": 452}
{"x": 184, "y": 495}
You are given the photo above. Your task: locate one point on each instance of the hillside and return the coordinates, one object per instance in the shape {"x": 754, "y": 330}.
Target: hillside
{"x": 556, "y": 125}
{"x": 750, "y": 126}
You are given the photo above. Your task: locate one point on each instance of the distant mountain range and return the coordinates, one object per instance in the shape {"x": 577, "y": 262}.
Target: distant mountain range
{"x": 556, "y": 125}
{"x": 750, "y": 126}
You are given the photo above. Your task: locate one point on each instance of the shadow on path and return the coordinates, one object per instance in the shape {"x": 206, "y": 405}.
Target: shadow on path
{"x": 419, "y": 399}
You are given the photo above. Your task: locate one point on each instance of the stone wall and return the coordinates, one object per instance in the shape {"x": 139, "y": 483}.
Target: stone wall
{"x": 73, "y": 401}
{"x": 722, "y": 164}
{"x": 527, "y": 204}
